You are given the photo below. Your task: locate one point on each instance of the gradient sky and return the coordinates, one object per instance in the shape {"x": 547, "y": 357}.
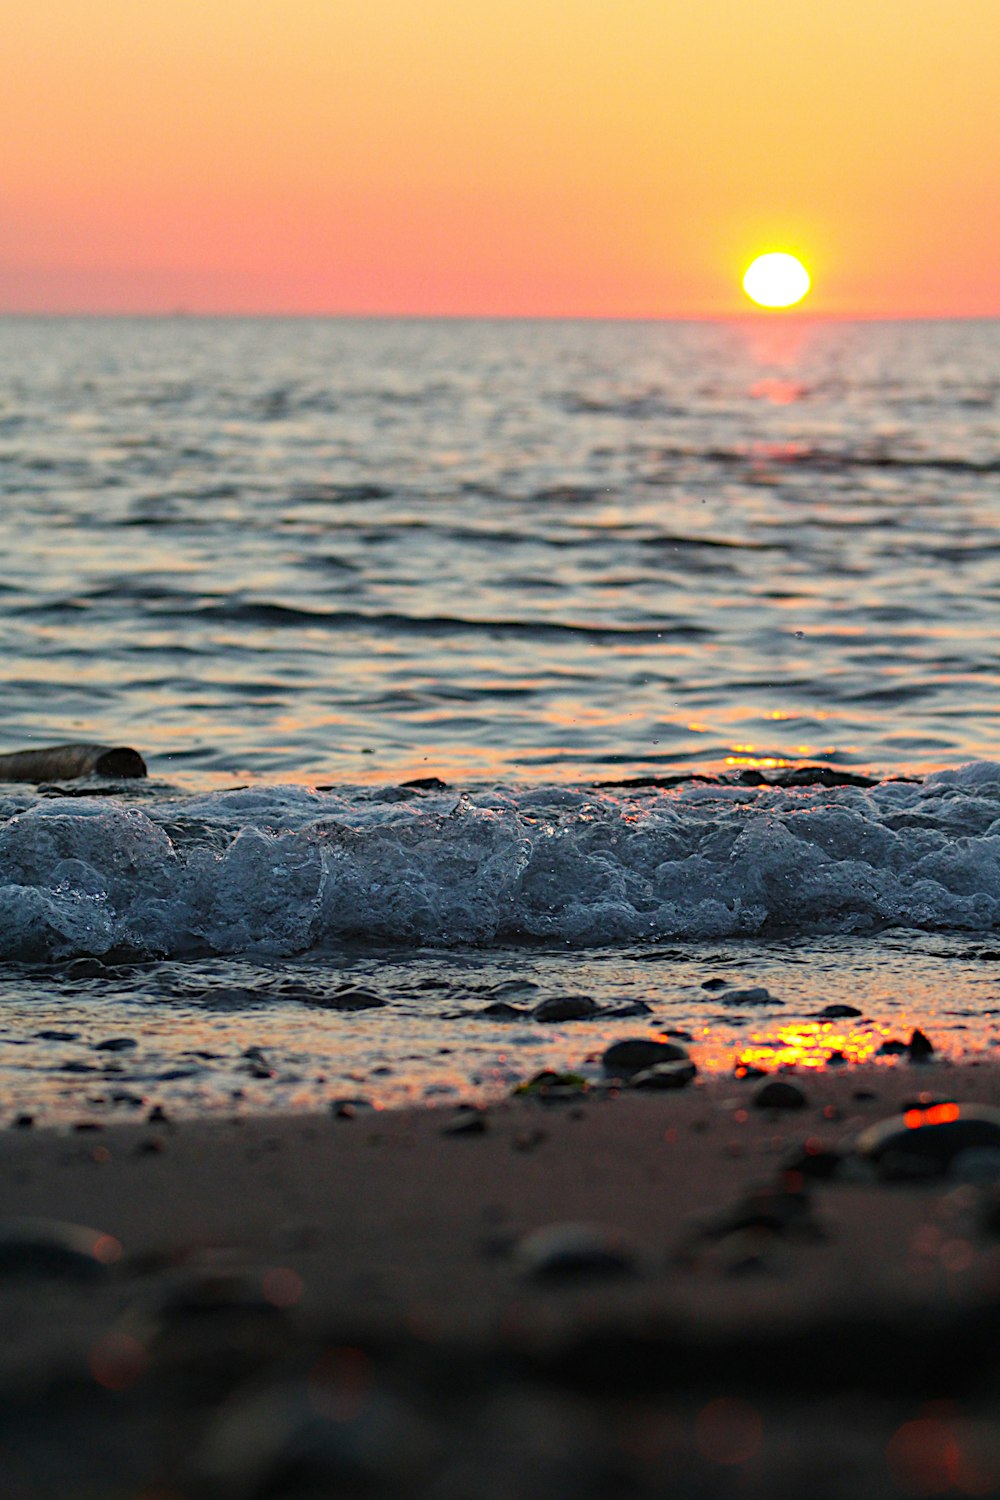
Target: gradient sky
{"x": 582, "y": 157}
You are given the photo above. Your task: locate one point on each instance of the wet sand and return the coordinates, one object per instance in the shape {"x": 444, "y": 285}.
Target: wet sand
{"x": 324, "y": 1304}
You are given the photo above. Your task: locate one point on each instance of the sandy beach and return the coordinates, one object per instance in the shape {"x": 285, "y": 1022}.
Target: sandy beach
{"x": 365, "y": 1302}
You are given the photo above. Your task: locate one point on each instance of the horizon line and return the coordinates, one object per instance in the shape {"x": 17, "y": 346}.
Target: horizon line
{"x": 758, "y": 315}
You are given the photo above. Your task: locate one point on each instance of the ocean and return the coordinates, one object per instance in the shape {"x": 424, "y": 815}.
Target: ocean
{"x": 594, "y": 590}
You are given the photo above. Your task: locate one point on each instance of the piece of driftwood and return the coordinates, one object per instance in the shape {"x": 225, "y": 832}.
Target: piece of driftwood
{"x": 66, "y": 762}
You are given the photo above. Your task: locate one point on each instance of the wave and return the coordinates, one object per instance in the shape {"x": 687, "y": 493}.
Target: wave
{"x": 288, "y": 870}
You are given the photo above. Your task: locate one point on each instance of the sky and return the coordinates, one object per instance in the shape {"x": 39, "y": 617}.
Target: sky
{"x": 603, "y": 158}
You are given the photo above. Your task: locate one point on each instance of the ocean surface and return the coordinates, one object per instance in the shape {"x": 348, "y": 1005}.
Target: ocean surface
{"x": 589, "y": 587}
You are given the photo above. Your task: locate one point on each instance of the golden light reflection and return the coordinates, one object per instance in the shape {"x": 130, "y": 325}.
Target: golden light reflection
{"x": 803, "y": 1045}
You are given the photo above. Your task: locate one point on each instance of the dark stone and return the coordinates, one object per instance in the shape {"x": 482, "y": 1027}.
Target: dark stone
{"x": 466, "y": 1122}
{"x": 158, "y": 1115}
{"x": 814, "y": 1159}
{"x": 85, "y": 968}
{"x": 116, "y": 1044}
{"x": 566, "y": 1008}
{"x": 58, "y": 1036}
{"x": 756, "y": 995}
{"x": 551, "y": 1086}
{"x": 499, "y": 1010}
{"x": 715, "y": 984}
{"x": 669, "y": 1075}
{"x": 749, "y": 1071}
{"x": 22, "y": 1122}
{"x": 346, "y": 1109}
{"x": 426, "y": 784}
{"x": 774, "y": 1209}
{"x": 349, "y": 997}
{"x": 837, "y": 1012}
{"x": 50, "y": 1247}
{"x": 920, "y": 1047}
{"x": 576, "y": 1252}
{"x": 629, "y": 1008}
{"x": 634, "y": 1054}
{"x": 924, "y": 1142}
{"x": 837, "y": 1059}
{"x": 778, "y": 1094}
{"x": 892, "y": 1048}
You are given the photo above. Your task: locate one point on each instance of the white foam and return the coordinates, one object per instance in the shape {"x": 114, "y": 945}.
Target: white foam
{"x": 287, "y": 870}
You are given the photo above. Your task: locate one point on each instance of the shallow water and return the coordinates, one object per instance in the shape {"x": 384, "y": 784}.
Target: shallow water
{"x": 521, "y": 558}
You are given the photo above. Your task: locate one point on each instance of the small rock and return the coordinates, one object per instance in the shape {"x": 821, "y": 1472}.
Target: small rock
{"x": 774, "y": 1209}
{"x": 778, "y": 1094}
{"x": 576, "y": 1252}
{"x": 466, "y": 1122}
{"x": 634, "y": 1054}
{"x": 116, "y": 1044}
{"x": 629, "y": 1008}
{"x": 58, "y": 1036}
{"x": 924, "y": 1142}
{"x": 158, "y": 1115}
{"x": 814, "y": 1159}
{"x": 551, "y": 1085}
{"x": 837, "y": 1059}
{"x": 755, "y": 996}
{"x": 837, "y": 1012}
{"x": 920, "y": 1047}
{"x": 566, "y": 1008}
{"x": 347, "y": 1109}
{"x": 892, "y": 1047}
{"x": 22, "y": 1122}
{"x": 669, "y": 1075}
{"x": 501, "y": 1010}
{"x": 51, "y": 1247}
{"x": 715, "y": 984}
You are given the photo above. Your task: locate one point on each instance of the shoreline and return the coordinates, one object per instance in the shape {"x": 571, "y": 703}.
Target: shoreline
{"x": 364, "y": 1301}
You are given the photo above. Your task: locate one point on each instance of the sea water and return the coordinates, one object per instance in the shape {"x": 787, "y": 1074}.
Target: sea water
{"x": 581, "y": 584}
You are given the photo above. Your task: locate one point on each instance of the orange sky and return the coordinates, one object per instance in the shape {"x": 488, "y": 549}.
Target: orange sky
{"x": 582, "y": 157}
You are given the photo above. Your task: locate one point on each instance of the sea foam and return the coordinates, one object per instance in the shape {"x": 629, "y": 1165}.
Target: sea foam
{"x": 287, "y": 870}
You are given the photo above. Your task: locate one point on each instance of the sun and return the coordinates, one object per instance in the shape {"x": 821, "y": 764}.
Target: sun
{"x": 776, "y": 280}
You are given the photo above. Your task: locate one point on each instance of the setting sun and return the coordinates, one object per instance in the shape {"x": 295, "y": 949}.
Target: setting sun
{"x": 776, "y": 280}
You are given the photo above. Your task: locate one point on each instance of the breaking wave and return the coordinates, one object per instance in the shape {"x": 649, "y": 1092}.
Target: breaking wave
{"x": 287, "y": 870}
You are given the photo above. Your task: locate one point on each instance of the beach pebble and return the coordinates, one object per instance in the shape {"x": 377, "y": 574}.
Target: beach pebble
{"x": 815, "y": 1158}
{"x": 629, "y": 1008}
{"x": 669, "y": 1075}
{"x": 837, "y": 1012}
{"x": 920, "y": 1047}
{"x": 773, "y": 1209}
{"x": 53, "y": 1247}
{"x": 116, "y": 1044}
{"x": 571, "y": 1252}
{"x": 634, "y": 1054}
{"x": 466, "y": 1122}
{"x": 57, "y": 1036}
{"x": 926, "y": 1142}
{"x": 756, "y": 995}
{"x": 501, "y": 1010}
{"x": 892, "y": 1047}
{"x": 566, "y": 1008}
{"x": 551, "y": 1086}
{"x": 778, "y": 1094}
{"x": 715, "y": 984}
